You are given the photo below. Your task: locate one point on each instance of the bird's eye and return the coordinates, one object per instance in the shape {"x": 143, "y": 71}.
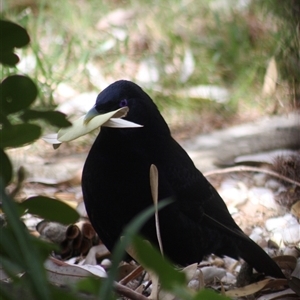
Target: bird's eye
{"x": 123, "y": 103}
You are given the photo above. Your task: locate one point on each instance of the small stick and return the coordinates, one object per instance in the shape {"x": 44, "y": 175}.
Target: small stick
{"x": 132, "y": 275}
{"x": 250, "y": 169}
{"x": 127, "y": 292}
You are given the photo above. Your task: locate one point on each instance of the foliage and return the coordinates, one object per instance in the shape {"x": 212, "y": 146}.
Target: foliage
{"x": 229, "y": 46}
{"x": 287, "y": 14}
{"x": 20, "y": 252}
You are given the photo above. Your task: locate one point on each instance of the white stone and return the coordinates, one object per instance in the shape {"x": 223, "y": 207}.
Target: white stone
{"x": 275, "y": 223}
{"x": 291, "y": 235}
{"x": 263, "y": 196}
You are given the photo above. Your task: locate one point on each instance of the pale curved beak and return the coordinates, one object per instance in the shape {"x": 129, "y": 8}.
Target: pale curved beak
{"x": 92, "y": 113}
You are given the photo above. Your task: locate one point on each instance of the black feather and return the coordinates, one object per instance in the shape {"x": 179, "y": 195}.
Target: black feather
{"x": 116, "y": 188}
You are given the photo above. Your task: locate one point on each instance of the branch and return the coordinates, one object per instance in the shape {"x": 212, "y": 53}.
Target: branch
{"x": 127, "y": 292}
{"x": 251, "y": 169}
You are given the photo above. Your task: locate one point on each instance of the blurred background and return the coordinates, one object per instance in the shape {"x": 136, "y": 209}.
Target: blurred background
{"x": 207, "y": 64}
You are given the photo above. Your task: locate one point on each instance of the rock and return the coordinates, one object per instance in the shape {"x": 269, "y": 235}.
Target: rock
{"x": 259, "y": 179}
{"x": 263, "y": 196}
{"x": 291, "y": 235}
{"x": 273, "y": 185}
{"x": 211, "y": 273}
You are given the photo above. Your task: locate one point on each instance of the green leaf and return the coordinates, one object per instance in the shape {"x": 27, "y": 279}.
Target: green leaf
{"x": 50, "y": 209}
{"x": 28, "y": 252}
{"x": 9, "y": 58}
{"x": 5, "y": 294}
{"x": 118, "y": 253}
{"x": 151, "y": 259}
{"x": 17, "y": 92}
{"x": 89, "y": 285}
{"x": 12, "y": 35}
{"x": 60, "y": 293}
{"x": 11, "y": 267}
{"x": 19, "y": 135}
{"x": 55, "y": 118}
{"x": 5, "y": 167}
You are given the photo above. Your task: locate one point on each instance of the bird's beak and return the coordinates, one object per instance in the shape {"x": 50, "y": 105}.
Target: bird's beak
{"x": 90, "y": 115}
{"x": 92, "y": 120}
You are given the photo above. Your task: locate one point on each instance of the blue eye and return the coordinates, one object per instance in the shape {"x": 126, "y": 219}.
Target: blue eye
{"x": 123, "y": 103}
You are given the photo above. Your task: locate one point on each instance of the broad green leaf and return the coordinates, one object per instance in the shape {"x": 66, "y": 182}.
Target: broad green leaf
{"x": 6, "y": 293}
{"x": 12, "y": 36}
{"x": 82, "y": 127}
{"x": 151, "y": 259}
{"x": 9, "y": 58}
{"x": 50, "y": 209}
{"x": 12, "y": 268}
{"x": 55, "y": 118}
{"x": 17, "y": 92}
{"x": 65, "y": 294}
{"x": 5, "y": 167}
{"x": 89, "y": 285}
{"x": 29, "y": 253}
{"x": 19, "y": 135}
{"x": 119, "y": 251}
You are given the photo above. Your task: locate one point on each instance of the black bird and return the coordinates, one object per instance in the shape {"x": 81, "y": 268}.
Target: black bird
{"x": 115, "y": 184}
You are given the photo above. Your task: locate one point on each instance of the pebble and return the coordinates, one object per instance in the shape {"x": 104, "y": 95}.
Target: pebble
{"x": 256, "y": 237}
{"x": 257, "y": 230}
{"x": 210, "y": 273}
{"x": 263, "y": 196}
{"x": 277, "y": 238}
{"x": 229, "y": 278}
{"x": 273, "y": 185}
{"x": 291, "y": 235}
{"x": 259, "y": 179}
{"x": 194, "y": 284}
{"x": 233, "y": 192}
{"x": 106, "y": 263}
{"x": 280, "y": 222}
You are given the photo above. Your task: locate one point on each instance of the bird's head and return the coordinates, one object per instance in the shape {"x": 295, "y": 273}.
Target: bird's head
{"x": 122, "y": 99}
{"x": 122, "y": 93}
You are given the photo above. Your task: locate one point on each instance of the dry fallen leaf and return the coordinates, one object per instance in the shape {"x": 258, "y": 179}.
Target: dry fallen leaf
{"x": 286, "y": 294}
{"x": 286, "y": 262}
{"x": 270, "y": 79}
{"x": 62, "y": 273}
{"x": 255, "y": 287}
{"x": 95, "y": 252}
{"x": 295, "y": 209}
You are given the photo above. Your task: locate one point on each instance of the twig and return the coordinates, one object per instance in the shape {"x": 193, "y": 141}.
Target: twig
{"x": 250, "y": 169}
{"x": 135, "y": 273}
{"x": 127, "y": 292}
